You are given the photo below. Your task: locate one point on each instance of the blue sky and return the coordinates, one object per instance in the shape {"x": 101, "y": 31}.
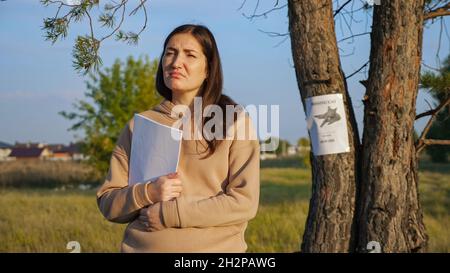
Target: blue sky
{"x": 37, "y": 79}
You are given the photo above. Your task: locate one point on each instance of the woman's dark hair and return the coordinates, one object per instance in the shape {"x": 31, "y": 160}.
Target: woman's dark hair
{"x": 211, "y": 89}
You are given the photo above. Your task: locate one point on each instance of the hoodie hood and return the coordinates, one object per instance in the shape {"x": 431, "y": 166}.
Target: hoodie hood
{"x": 165, "y": 107}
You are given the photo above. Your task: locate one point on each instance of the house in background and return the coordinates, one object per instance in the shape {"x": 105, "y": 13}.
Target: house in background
{"x": 32, "y": 153}
{"x": 292, "y": 150}
{"x": 44, "y": 151}
{"x": 60, "y": 152}
{"x": 5, "y": 150}
{"x": 29, "y": 145}
{"x": 74, "y": 150}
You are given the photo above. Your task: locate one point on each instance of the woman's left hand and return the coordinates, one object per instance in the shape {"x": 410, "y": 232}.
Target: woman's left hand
{"x": 151, "y": 217}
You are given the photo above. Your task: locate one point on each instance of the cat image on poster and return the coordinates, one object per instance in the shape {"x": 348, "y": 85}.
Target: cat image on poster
{"x": 329, "y": 117}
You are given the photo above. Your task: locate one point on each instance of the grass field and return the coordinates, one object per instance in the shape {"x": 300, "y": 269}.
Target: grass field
{"x": 44, "y": 220}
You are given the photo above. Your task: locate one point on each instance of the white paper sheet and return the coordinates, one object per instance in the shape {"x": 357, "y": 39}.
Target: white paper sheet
{"x": 154, "y": 150}
{"x": 327, "y": 124}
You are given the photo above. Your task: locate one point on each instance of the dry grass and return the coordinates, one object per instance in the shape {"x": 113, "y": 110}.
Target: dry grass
{"x": 44, "y": 220}
{"x": 45, "y": 174}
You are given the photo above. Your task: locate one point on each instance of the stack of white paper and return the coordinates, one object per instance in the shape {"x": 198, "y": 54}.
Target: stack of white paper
{"x": 155, "y": 150}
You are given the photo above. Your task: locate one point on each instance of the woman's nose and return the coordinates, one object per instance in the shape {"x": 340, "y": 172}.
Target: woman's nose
{"x": 177, "y": 61}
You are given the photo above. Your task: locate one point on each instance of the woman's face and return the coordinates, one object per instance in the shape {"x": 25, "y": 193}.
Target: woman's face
{"x": 184, "y": 64}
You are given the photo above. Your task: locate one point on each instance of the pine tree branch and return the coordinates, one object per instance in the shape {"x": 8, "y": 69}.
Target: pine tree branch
{"x": 436, "y": 141}
{"x": 91, "y": 27}
{"x": 341, "y": 7}
{"x": 359, "y": 69}
{"x": 86, "y": 47}
{"x": 353, "y": 36}
{"x": 433, "y": 111}
{"x": 120, "y": 23}
{"x": 274, "y": 34}
{"x": 422, "y": 142}
{"x": 264, "y": 14}
{"x": 438, "y": 12}
{"x": 145, "y": 16}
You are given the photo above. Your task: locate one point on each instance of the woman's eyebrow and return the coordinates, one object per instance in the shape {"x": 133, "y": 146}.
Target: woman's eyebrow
{"x": 190, "y": 50}
{"x": 185, "y": 50}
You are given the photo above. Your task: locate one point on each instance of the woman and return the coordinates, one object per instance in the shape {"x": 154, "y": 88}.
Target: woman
{"x": 206, "y": 205}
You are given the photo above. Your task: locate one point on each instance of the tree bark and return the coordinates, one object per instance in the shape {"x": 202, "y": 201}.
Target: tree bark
{"x": 331, "y": 223}
{"x": 390, "y": 209}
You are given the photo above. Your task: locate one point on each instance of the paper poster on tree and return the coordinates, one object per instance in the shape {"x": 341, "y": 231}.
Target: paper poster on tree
{"x": 327, "y": 124}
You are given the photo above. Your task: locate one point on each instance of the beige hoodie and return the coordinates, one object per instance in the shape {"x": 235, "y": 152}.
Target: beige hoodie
{"x": 220, "y": 195}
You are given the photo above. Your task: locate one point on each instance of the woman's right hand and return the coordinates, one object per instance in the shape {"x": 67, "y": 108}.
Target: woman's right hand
{"x": 165, "y": 188}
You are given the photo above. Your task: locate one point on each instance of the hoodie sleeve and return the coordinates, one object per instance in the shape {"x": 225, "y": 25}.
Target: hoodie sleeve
{"x": 238, "y": 204}
{"x": 117, "y": 201}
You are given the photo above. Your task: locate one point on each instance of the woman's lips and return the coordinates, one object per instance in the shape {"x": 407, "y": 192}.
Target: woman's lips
{"x": 175, "y": 75}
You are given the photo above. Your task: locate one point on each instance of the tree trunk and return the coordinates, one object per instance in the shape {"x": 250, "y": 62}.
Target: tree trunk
{"x": 391, "y": 214}
{"x": 330, "y": 225}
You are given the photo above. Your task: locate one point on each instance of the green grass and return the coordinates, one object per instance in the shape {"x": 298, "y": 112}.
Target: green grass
{"x": 44, "y": 220}
{"x": 434, "y": 190}
{"x": 282, "y": 213}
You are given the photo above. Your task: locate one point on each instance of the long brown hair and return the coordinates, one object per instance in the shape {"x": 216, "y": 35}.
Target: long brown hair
{"x": 211, "y": 89}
